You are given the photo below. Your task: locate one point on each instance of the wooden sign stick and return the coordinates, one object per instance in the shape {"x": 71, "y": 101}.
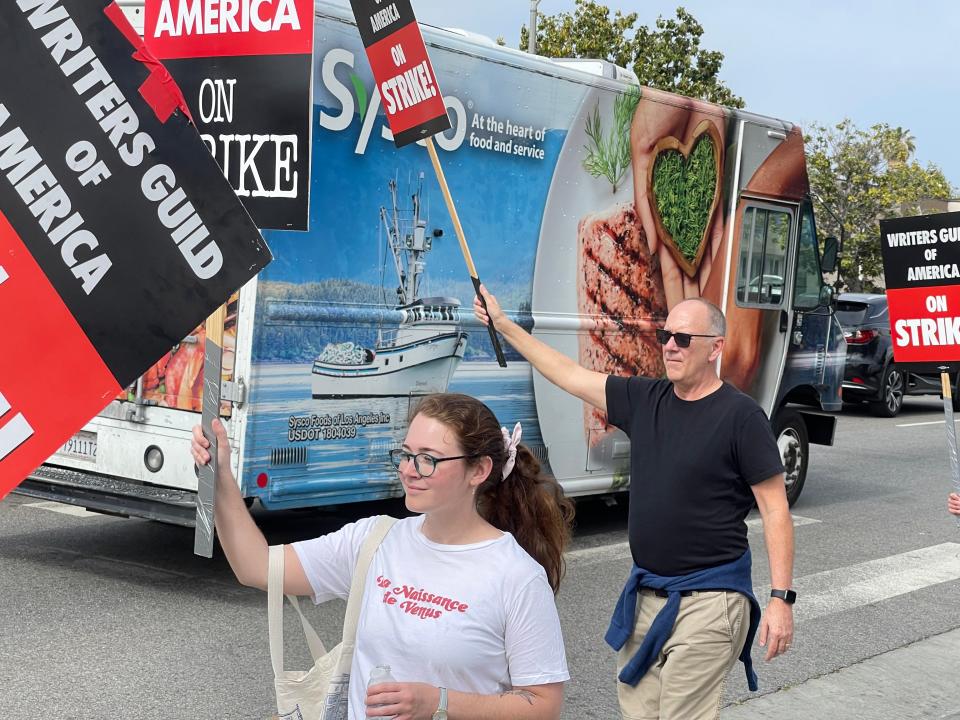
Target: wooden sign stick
{"x": 501, "y": 360}
{"x": 207, "y": 474}
{"x": 947, "y": 392}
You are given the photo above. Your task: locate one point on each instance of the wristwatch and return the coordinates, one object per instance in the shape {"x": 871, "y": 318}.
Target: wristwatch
{"x": 441, "y": 713}
{"x": 788, "y": 596}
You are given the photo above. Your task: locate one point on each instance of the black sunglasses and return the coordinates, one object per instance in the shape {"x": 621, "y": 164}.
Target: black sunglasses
{"x": 682, "y": 339}
{"x": 423, "y": 463}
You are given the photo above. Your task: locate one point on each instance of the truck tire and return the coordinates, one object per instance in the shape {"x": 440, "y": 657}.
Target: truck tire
{"x": 791, "y": 434}
{"x": 892, "y": 386}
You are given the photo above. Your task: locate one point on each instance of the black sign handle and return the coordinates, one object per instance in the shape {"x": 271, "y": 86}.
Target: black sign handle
{"x": 494, "y": 338}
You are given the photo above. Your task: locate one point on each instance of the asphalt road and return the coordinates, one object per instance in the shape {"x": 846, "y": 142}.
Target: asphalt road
{"x": 110, "y": 617}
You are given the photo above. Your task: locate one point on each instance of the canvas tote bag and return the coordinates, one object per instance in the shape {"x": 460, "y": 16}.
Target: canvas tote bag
{"x": 319, "y": 693}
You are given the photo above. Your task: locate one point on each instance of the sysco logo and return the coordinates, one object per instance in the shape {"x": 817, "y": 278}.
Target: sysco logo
{"x": 354, "y": 100}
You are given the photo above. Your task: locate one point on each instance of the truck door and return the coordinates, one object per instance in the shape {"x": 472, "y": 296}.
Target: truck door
{"x": 764, "y": 267}
{"x": 816, "y": 356}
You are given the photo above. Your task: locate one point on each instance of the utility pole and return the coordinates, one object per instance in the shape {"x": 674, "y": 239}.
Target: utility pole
{"x": 532, "y": 34}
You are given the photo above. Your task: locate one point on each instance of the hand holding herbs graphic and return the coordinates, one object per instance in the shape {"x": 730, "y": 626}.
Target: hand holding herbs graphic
{"x": 676, "y": 146}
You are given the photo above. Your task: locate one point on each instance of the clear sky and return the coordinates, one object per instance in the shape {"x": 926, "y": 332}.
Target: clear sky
{"x": 816, "y": 61}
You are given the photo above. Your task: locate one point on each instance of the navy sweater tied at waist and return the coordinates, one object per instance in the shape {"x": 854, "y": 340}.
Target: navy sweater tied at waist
{"x": 733, "y": 576}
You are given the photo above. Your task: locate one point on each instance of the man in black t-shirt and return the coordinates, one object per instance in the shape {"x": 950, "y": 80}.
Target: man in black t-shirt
{"x": 702, "y": 453}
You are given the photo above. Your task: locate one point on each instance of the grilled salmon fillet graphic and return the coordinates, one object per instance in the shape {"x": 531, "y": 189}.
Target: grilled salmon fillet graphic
{"x": 620, "y": 293}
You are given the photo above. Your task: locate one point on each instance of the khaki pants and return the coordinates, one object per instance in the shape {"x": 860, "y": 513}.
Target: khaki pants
{"x": 686, "y": 680}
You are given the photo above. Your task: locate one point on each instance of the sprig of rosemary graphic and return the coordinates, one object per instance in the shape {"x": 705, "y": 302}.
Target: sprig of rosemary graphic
{"x": 609, "y": 156}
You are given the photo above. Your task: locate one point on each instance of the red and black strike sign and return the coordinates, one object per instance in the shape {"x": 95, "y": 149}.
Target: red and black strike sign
{"x": 921, "y": 266}
{"x": 401, "y": 68}
{"x": 245, "y": 68}
{"x": 118, "y": 232}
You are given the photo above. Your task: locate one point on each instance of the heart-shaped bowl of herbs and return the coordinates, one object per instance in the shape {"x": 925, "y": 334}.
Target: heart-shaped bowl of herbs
{"x": 684, "y": 182}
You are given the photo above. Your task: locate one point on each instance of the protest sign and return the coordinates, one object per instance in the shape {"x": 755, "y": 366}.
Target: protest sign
{"x": 245, "y": 69}
{"x": 921, "y": 266}
{"x": 411, "y": 98}
{"x": 402, "y": 69}
{"x": 118, "y": 232}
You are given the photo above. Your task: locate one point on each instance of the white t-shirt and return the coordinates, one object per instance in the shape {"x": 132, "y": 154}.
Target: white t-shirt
{"x": 477, "y": 618}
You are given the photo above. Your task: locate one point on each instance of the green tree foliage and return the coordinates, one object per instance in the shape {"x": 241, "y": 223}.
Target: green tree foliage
{"x": 858, "y": 177}
{"x": 667, "y": 58}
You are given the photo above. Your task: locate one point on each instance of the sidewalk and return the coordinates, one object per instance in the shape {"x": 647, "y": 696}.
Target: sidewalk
{"x": 917, "y": 681}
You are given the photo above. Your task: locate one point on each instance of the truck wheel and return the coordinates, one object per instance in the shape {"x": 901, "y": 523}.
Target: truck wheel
{"x": 891, "y": 394}
{"x": 791, "y": 434}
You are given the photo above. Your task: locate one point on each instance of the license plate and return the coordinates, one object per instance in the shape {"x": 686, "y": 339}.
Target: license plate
{"x": 83, "y": 445}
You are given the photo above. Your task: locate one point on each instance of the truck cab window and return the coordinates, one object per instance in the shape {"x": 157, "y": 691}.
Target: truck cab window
{"x": 806, "y": 292}
{"x": 762, "y": 264}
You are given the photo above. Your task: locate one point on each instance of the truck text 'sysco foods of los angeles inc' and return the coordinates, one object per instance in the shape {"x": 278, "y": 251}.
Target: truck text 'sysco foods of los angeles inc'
{"x": 591, "y": 206}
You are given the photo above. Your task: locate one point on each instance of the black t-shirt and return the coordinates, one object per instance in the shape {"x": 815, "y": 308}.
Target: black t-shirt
{"x": 691, "y": 467}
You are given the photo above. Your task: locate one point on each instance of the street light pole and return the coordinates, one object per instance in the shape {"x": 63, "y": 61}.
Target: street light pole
{"x": 532, "y": 34}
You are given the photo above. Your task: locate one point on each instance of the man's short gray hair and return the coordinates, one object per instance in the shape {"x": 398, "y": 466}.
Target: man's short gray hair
{"x": 717, "y": 322}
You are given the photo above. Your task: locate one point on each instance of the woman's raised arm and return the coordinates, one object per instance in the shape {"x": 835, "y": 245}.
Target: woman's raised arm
{"x": 242, "y": 541}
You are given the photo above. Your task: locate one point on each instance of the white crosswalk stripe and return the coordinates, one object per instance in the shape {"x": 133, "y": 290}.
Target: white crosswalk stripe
{"x": 930, "y": 422}
{"x": 62, "y": 508}
{"x": 834, "y": 591}
{"x": 755, "y": 523}
{"x": 621, "y": 550}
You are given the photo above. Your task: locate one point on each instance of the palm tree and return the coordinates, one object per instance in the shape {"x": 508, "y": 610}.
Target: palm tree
{"x": 897, "y": 144}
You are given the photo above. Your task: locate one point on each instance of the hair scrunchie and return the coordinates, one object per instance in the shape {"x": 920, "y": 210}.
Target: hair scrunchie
{"x": 510, "y": 442}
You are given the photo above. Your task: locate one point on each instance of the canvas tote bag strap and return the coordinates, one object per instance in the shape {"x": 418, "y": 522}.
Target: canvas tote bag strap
{"x": 357, "y": 586}
{"x": 317, "y": 650}
{"x": 275, "y": 612}
{"x": 275, "y": 597}
{"x": 275, "y": 606}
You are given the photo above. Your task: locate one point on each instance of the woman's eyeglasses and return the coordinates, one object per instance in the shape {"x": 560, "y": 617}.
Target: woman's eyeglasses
{"x": 682, "y": 339}
{"x": 423, "y": 463}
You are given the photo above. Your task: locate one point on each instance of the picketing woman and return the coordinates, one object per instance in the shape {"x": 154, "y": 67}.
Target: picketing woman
{"x": 459, "y": 598}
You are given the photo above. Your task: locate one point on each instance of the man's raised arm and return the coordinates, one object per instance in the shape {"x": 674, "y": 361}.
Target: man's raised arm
{"x": 556, "y": 367}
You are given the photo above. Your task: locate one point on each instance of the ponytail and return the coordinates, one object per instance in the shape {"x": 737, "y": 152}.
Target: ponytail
{"x": 533, "y": 508}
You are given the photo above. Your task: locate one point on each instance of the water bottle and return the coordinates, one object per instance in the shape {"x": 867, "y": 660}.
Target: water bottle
{"x": 380, "y": 674}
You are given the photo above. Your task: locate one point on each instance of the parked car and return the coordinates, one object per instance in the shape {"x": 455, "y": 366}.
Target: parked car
{"x": 870, "y": 374}
{"x": 766, "y": 288}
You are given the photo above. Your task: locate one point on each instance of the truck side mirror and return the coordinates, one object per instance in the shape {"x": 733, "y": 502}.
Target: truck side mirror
{"x": 827, "y": 294}
{"x": 828, "y": 263}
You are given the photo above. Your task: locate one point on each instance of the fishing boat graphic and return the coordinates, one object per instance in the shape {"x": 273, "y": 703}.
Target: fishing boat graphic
{"x": 420, "y": 354}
